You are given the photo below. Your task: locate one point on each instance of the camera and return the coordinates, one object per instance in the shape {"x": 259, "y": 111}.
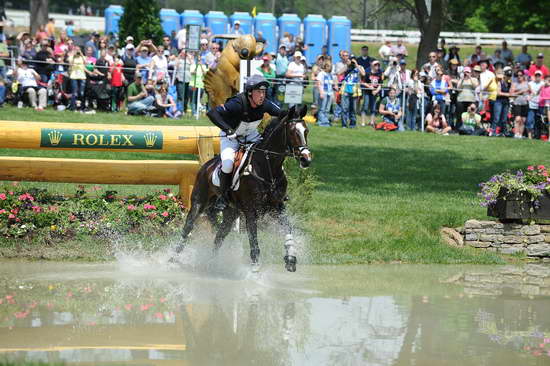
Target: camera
{"x": 508, "y": 73}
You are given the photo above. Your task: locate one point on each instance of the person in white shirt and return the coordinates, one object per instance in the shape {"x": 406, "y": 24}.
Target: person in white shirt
{"x": 28, "y": 81}
{"x": 237, "y": 28}
{"x": 159, "y": 65}
{"x": 385, "y": 52}
{"x": 296, "y": 69}
{"x": 535, "y": 87}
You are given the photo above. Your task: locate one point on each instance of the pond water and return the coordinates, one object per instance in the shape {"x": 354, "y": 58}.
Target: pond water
{"x": 148, "y": 313}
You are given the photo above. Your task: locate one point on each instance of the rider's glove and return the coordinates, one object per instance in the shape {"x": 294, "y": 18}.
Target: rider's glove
{"x": 230, "y": 134}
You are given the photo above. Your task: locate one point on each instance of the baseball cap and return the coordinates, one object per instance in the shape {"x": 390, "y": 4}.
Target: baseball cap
{"x": 467, "y": 69}
{"x": 540, "y": 55}
{"x": 237, "y": 22}
{"x": 265, "y": 58}
{"x": 130, "y": 46}
{"x": 538, "y": 72}
{"x": 282, "y": 46}
{"x": 506, "y": 68}
{"x": 402, "y": 62}
{"x": 477, "y": 68}
{"x": 129, "y": 38}
{"x": 376, "y": 62}
{"x": 298, "y": 54}
{"x": 204, "y": 41}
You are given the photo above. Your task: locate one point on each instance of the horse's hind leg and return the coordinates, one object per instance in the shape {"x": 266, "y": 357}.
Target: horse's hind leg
{"x": 252, "y": 228}
{"x": 290, "y": 244}
{"x": 229, "y": 216}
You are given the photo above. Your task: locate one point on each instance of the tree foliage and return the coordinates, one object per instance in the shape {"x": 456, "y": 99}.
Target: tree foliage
{"x": 141, "y": 20}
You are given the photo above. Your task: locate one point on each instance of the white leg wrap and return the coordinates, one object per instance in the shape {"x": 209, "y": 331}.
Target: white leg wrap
{"x": 290, "y": 245}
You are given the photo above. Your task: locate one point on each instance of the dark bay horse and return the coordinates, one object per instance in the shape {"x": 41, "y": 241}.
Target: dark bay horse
{"x": 262, "y": 191}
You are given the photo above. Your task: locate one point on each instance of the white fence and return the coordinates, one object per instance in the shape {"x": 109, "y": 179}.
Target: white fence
{"x": 21, "y": 18}
{"x": 519, "y": 39}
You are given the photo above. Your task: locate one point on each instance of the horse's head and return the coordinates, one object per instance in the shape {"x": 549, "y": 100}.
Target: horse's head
{"x": 297, "y": 131}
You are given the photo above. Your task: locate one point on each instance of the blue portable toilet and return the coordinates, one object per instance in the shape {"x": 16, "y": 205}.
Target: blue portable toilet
{"x": 339, "y": 35}
{"x": 315, "y": 36}
{"x": 267, "y": 24}
{"x": 290, "y": 23}
{"x": 217, "y": 22}
{"x": 170, "y": 20}
{"x": 245, "y": 19}
{"x": 191, "y": 17}
{"x": 112, "y": 17}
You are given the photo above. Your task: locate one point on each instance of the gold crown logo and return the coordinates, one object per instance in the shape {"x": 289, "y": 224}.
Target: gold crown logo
{"x": 55, "y": 137}
{"x": 150, "y": 139}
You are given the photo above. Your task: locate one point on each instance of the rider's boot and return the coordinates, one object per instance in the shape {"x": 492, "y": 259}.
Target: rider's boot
{"x": 225, "y": 185}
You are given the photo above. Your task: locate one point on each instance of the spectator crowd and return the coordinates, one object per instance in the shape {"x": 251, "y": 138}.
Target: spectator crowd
{"x": 497, "y": 95}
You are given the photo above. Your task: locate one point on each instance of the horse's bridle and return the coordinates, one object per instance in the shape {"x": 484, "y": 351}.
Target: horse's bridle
{"x": 290, "y": 150}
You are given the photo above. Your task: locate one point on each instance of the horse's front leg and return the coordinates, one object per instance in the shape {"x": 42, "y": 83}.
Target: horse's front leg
{"x": 230, "y": 214}
{"x": 290, "y": 243}
{"x": 252, "y": 227}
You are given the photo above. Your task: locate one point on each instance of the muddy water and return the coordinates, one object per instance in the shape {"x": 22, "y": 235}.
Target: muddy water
{"x": 147, "y": 313}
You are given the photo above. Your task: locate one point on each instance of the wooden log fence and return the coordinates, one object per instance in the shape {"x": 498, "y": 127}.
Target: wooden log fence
{"x": 195, "y": 140}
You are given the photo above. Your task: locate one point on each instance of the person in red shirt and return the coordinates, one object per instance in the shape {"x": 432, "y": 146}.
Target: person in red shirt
{"x": 538, "y": 65}
{"x": 116, "y": 77}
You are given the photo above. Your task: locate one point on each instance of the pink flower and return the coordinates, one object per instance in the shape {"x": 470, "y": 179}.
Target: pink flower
{"x": 530, "y": 167}
{"x": 165, "y": 214}
{"x": 163, "y": 197}
{"x": 21, "y": 314}
{"x": 14, "y": 211}
{"x": 544, "y": 173}
{"x": 149, "y": 207}
{"x": 72, "y": 217}
{"x": 2, "y": 211}
{"x": 11, "y": 193}
{"x": 131, "y": 208}
{"x": 36, "y": 209}
{"x": 3, "y": 196}
{"x": 26, "y": 196}
{"x": 11, "y": 216}
{"x": 153, "y": 215}
{"x": 541, "y": 167}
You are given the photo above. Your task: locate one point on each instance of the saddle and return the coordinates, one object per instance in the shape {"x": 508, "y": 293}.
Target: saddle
{"x": 241, "y": 166}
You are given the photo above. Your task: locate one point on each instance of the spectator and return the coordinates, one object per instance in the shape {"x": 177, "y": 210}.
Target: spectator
{"x": 129, "y": 63}
{"x": 478, "y": 53}
{"x": 165, "y": 103}
{"x": 497, "y": 58}
{"x": 92, "y": 42}
{"x": 288, "y": 42}
{"x": 269, "y": 74}
{"x": 399, "y": 50}
{"x": 139, "y": 101}
{"x": 506, "y": 53}
{"x": 281, "y": 67}
{"x": 520, "y": 90}
{"x": 439, "y": 89}
{"x": 69, "y": 28}
{"x": 452, "y": 78}
{"x": 28, "y": 81}
{"x": 197, "y": 85}
{"x": 90, "y": 56}
{"x": 143, "y": 62}
{"x": 390, "y": 108}
{"x": 533, "y": 114}
{"x": 4, "y": 53}
{"x": 453, "y": 54}
{"x": 181, "y": 37}
{"x": 77, "y": 74}
{"x": 415, "y": 91}
{"x": 466, "y": 86}
{"x": 324, "y": 51}
{"x": 538, "y": 66}
{"x": 524, "y": 58}
{"x": 45, "y": 61}
{"x": 260, "y": 38}
{"x": 385, "y": 52}
{"x": 372, "y": 86}
{"x": 350, "y": 92}
{"x": 50, "y": 28}
{"x": 296, "y": 69}
{"x": 502, "y": 103}
{"x": 116, "y": 77}
{"x": 29, "y": 51}
{"x": 326, "y": 83}
{"x": 365, "y": 60}
{"x": 159, "y": 65}
{"x": 174, "y": 41}
{"x": 436, "y": 122}
{"x": 111, "y": 54}
{"x": 167, "y": 44}
{"x": 61, "y": 46}
{"x": 544, "y": 102}
{"x": 2, "y": 92}
{"x": 237, "y": 28}
{"x": 488, "y": 90}
{"x": 182, "y": 67}
{"x": 471, "y": 122}
{"x": 215, "y": 49}
{"x": 41, "y": 33}
{"x": 442, "y": 44}
{"x": 431, "y": 66}
{"x": 206, "y": 56}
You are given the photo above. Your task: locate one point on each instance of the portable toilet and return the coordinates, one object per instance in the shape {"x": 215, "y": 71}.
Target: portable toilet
{"x": 170, "y": 20}
{"x": 339, "y": 35}
{"x": 191, "y": 17}
{"x": 217, "y": 22}
{"x": 245, "y": 19}
{"x": 290, "y": 23}
{"x": 315, "y": 36}
{"x": 267, "y": 24}
{"x": 112, "y": 17}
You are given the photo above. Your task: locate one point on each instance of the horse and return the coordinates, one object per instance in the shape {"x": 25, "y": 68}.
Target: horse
{"x": 262, "y": 191}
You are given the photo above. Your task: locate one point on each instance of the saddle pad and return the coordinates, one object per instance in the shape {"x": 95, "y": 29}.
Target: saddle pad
{"x": 236, "y": 172}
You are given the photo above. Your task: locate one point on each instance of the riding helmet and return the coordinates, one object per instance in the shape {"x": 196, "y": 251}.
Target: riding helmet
{"x": 256, "y": 82}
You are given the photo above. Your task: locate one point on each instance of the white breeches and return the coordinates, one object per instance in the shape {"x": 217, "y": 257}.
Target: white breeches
{"x": 229, "y": 147}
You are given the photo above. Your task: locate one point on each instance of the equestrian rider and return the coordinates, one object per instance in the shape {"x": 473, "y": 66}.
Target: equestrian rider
{"x": 238, "y": 119}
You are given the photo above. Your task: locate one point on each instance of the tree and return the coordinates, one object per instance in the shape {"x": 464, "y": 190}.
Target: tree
{"x": 38, "y": 14}
{"x": 141, "y": 20}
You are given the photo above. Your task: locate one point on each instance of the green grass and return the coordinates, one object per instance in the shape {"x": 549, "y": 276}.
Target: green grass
{"x": 380, "y": 197}
{"x": 465, "y": 51}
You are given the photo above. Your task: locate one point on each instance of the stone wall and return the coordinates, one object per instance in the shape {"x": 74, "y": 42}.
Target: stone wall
{"x": 533, "y": 240}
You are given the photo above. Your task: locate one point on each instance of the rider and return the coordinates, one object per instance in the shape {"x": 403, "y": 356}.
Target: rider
{"x": 238, "y": 119}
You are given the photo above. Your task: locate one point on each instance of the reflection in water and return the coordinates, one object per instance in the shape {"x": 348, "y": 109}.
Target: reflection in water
{"x": 376, "y": 315}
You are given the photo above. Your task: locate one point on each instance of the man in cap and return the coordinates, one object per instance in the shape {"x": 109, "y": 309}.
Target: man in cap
{"x": 237, "y": 28}
{"x": 239, "y": 118}
{"x": 296, "y": 69}
{"x": 130, "y": 62}
{"x": 538, "y": 66}
{"x": 139, "y": 101}
{"x": 207, "y": 58}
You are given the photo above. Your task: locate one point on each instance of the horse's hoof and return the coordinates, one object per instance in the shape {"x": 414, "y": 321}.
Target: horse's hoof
{"x": 290, "y": 263}
{"x": 255, "y": 267}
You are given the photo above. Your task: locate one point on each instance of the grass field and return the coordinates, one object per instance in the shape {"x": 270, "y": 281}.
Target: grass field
{"x": 381, "y": 197}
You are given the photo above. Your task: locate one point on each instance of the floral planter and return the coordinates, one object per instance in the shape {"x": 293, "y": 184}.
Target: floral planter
{"x": 519, "y": 205}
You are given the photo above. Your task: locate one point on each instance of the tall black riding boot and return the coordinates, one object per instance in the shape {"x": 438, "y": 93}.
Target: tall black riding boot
{"x": 225, "y": 186}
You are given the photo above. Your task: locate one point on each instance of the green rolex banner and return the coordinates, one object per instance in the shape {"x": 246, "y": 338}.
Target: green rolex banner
{"x": 97, "y": 139}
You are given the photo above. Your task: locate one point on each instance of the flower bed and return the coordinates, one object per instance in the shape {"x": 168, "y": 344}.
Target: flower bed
{"x": 27, "y": 213}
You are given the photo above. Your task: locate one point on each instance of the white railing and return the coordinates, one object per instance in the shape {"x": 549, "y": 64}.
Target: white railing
{"x": 21, "y": 18}
{"x": 518, "y": 39}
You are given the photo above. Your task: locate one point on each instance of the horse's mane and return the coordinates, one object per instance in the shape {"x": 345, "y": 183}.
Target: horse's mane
{"x": 273, "y": 124}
